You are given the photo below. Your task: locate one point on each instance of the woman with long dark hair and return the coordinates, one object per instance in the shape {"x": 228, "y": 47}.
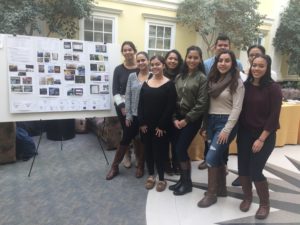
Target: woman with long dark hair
{"x": 190, "y": 108}
{"x": 256, "y": 136}
{"x": 226, "y": 93}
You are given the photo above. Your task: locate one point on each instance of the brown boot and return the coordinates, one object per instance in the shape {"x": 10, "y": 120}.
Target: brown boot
{"x": 211, "y": 195}
{"x": 139, "y": 157}
{"x": 262, "y": 190}
{"x": 247, "y": 189}
{"x": 222, "y": 189}
{"x": 114, "y": 171}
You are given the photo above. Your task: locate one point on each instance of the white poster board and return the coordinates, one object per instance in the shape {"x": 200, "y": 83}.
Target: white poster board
{"x": 49, "y": 78}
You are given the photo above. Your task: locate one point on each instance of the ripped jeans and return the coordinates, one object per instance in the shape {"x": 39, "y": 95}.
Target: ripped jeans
{"x": 216, "y": 123}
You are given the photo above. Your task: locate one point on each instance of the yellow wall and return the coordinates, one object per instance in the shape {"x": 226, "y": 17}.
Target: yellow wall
{"x": 131, "y": 24}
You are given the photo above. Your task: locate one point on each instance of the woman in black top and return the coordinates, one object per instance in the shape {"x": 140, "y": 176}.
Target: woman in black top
{"x": 174, "y": 63}
{"x": 156, "y": 105}
{"x": 120, "y": 78}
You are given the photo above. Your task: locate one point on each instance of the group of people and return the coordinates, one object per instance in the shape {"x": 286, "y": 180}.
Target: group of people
{"x": 168, "y": 101}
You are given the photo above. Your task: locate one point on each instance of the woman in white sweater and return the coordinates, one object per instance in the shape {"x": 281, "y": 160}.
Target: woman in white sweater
{"x": 226, "y": 94}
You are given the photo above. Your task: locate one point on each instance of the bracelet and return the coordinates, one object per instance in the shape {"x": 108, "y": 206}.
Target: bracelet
{"x": 261, "y": 140}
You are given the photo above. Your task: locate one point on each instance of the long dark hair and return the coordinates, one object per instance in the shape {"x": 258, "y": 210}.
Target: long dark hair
{"x": 179, "y": 65}
{"x": 185, "y": 68}
{"x": 266, "y": 79}
{"x": 214, "y": 74}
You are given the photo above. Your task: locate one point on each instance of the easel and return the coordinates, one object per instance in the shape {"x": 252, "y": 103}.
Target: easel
{"x": 61, "y": 144}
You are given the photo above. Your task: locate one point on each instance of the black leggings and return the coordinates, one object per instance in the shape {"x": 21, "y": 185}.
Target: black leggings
{"x": 156, "y": 149}
{"x": 249, "y": 163}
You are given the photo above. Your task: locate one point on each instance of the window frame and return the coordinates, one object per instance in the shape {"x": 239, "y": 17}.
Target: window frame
{"x": 101, "y": 16}
{"x": 148, "y": 23}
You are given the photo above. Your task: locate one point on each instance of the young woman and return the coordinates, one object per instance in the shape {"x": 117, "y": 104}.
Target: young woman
{"x": 256, "y": 136}
{"x": 191, "y": 106}
{"x": 156, "y": 105}
{"x": 174, "y": 62}
{"x": 226, "y": 93}
{"x": 127, "y": 111}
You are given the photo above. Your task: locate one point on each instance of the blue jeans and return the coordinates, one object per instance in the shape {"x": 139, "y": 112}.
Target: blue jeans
{"x": 216, "y": 123}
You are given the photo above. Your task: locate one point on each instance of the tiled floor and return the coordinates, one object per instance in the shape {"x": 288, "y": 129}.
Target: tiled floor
{"x": 165, "y": 208}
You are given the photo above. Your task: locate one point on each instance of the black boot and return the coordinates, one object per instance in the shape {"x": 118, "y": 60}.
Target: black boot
{"x": 177, "y": 185}
{"x": 186, "y": 183}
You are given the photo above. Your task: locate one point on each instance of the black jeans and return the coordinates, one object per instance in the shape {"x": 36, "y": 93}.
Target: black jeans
{"x": 183, "y": 138}
{"x": 249, "y": 163}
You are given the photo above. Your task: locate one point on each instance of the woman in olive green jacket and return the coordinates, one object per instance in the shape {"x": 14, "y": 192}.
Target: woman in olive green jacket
{"x": 191, "y": 106}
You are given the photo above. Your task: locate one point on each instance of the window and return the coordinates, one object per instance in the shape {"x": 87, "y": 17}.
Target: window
{"x": 160, "y": 38}
{"x": 99, "y": 29}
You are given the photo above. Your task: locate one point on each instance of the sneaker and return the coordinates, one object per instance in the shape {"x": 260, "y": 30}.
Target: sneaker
{"x": 150, "y": 182}
{"x": 127, "y": 159}
{"x": 202, "y": 165}
{"x": 161, "y": 185}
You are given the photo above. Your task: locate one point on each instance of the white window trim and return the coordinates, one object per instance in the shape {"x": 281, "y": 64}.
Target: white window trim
{"x": 99, "y": 15}
{"x": 149, "y": 22}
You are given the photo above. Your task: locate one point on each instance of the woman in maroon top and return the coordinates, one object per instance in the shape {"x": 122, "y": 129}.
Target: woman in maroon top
{"x": 256, "y": 136}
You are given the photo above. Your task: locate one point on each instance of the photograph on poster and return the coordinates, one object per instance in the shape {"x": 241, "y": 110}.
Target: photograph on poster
{"x": 77, "y": 46}
{"x": 93, "y": 67}
{"x": 69, "y": 77}
{"x": 57, "y": 81}
{"x": 95, "y": 77}
{"x": 78, "y": 91}
{"x": 50, "y": 81}
{"x": 21, "y": 73}
{"x": 50, "y": 69}
{"x": 101, "y": 67}
{"x": 15, "y": 80}
{"x": 27, "y": 80}
{"x": 55, "y": 56}
{"x": 29, "y": 68}
{"x": 46, "y": 60}
{"x": 47, "y": 55}
{"x": 17, "y": 88}
{"x": 68, "y": 57}
{"x": 43, "y": 91}
{"x": 56, "y": 69}
{"x": 42, "y": 81}
{"x": 105, "y": 58}
{"x": 41, "y": 68}
{"x": 27, "y": 88}
{"x": 40, "y": 54}
{"x": 100, "y": 48}
{"x": 94, "y": 89}
{"x": 75, "y": 57}
{"x": 71, "y": 66}
{"x": 81, "y": 70}
{"x": 53, "y": 91}
{"x": 13, "y": 68}
{"x": 106, "y": 77}
{"x": 67, "y": 45}
{"x": 79, "y": 79}
{"x": 40, "y": 59}
{"x": 104, "y": 88}
{"x": 71, "y": 92}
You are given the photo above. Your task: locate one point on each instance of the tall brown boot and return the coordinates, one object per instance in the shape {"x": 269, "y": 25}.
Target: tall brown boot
{"x": 114, "y": 171}
{"x": 247, "y": 189}
{"x": 222, "y": 188}
{"x": 262, "y": 190}
{"x": 211, "y": 195}
{"x": 139, "y": 157}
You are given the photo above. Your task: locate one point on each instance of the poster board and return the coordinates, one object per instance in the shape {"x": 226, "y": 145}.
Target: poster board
{"x": 48, "y": 78}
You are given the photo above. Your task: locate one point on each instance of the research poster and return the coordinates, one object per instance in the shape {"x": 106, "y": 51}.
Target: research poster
{"x": 57, "y": 75}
